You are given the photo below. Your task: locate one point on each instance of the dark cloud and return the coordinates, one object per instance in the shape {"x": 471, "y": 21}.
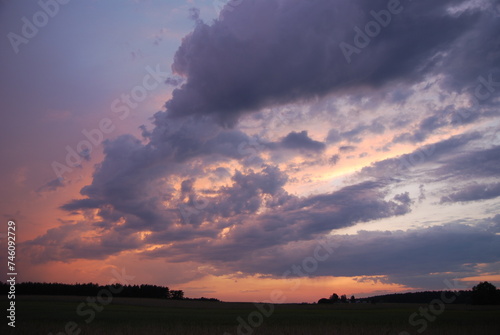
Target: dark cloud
{"x": 246, "y": 195}
{"x": 455, "y": 162}
{"x": 333, "y": 136}
{"x": 334, "y": 159}
{"x": 187, "y": 186}
{"x": 220, "y": 173}
{"x": 425, "y": 128}
{"x": 295, "y": 219}
{"x": 229, "y": 75}
{"x": 82, "y": 204}
{"x": 259, "y": 213}
{"x": 404, "y": 164}
{"x": 301, "y": 141}
{"x": 51, "y": 186}
{"x": 129, "y": 180}
{"x": 470, "y": 164}
{"x": 447, "y": 117}
{"x": 473, "y": 192}
{"x": 67, "y": 242}
{"x": 355, "y": 135}
{"x": 347, "y": 148}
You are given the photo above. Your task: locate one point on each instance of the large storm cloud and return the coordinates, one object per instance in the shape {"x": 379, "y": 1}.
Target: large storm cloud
{"x": 265, "y": 53}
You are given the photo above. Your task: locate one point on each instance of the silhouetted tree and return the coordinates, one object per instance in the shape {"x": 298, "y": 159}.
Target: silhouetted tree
{"x": 485, "y": 293}
{"x": 177, "y": 294}
{"x": 334, "y": 297}
{"x": 353, "y": 299}
{"x": 343, "y": 298}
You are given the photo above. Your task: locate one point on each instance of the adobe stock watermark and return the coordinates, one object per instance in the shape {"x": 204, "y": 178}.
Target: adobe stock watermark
{"x": 30, "y": 27}
{"x": 420, "y": 320}
{"x": 94, "y": 305}
{"x": 371, "y": 29}
{"x": 323, "y": 250}
{"x": 122, "y": 107}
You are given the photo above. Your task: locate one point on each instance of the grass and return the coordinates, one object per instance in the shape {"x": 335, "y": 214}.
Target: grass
{"x": 44, "y": 314}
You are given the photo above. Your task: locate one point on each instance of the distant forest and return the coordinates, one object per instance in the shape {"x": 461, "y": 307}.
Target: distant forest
{"x": 91, "y": 289}
{"x": 482, "y": 294}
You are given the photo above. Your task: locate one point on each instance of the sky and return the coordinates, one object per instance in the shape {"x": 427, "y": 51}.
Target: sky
{"x": 235, "y": 149}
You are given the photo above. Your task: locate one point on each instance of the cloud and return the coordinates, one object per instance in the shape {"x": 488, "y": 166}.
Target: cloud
{"x": 81, "y": 204}
{"x": 253, "y": 214}
{"x": 354, "y": 135}
{"x": 472, "y": 164}
{"x": 246, "y": 195}
{"x": 294, "y": 219}
{"x": 334, "y": 159}
{"x": 425, "y": 128}
{"x": 450, "y": 165}
{"x": 228, "y": 75}
{"x": 78, "y": 241}
{"x": 301, "y": 141}
{"x": 403, "y": 256}
{"x": 333, "y": 136}
{"x": 451, "y": 150}
{"x": 347, "y": 148}
{"x": 440, "y": 120}
{"x": 51, "y": 186}
{"x": 473, "y": 192}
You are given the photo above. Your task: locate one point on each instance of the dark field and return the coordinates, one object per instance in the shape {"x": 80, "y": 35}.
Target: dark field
{"x": 42, "y": 315}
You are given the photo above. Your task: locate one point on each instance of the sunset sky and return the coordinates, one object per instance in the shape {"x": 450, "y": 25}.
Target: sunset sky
{"x": 232, "y": 148}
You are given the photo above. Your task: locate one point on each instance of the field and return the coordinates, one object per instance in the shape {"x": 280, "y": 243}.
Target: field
{"x": 125, "y": 316}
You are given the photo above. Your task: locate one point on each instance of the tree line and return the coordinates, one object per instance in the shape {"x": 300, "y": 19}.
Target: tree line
{"x": 91, "y": 289}
{"x": 334, "y": 298}
{"x": 484, "y": 293}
